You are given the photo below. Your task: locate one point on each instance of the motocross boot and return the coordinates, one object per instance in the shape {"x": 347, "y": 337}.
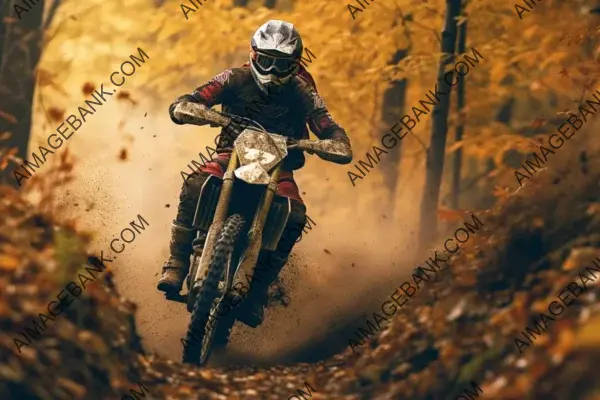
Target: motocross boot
{"x": 177, "y": 266}
{"x": 265, "y": 273}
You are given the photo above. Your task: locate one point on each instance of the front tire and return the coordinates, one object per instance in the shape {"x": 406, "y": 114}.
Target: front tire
{"x": 217, "y": 333}
{"x": 209, "y": 291}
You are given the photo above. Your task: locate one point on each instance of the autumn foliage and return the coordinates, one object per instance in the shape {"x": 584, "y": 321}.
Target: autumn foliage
{"x": 535, "y": 71}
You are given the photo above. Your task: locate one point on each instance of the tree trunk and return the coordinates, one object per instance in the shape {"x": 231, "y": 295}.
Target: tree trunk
{"x": 593, "y": 22}
{"x": 439, "y": 130}
{"x": 460, "y": 129}
{"x": 393, "y": 107}
{"x": 20, "y": 49}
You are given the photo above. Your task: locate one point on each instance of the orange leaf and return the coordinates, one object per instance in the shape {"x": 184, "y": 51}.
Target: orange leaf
{"x": 12, "y": 151}
{"x": 8, "y": 263}
{"x": 500, "y": 192}
{"x": 446, "y": 214}
{"x": 88, "y": 88}
{"x": 124, "y": 95}
{"x": 9, "y": 117}
{"x": 56, "y": 114}
{"x": 538, "y": 122}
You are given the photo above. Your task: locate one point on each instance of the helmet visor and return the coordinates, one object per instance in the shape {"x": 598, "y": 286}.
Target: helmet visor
{"x": 270, "y": 64}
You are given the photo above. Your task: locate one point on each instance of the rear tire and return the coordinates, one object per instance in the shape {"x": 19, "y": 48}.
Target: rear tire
{"x": 209, "y": 291}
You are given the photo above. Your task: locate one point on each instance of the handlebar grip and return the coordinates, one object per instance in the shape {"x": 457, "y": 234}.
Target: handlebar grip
{"x": 199, "y": 114}
{"x": 214, "y": 116}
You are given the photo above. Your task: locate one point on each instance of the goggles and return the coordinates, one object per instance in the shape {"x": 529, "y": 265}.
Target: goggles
{"x": 269, "y": 63}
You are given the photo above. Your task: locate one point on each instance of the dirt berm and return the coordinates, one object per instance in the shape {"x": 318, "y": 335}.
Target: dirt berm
{"x": 458, "y": 330}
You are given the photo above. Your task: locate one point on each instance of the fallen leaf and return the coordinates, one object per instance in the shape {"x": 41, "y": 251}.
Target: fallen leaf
{"x": 8, "y": 263}
{"x": 538, "y": 222}
{"x": 538, "y": 122}
{"x": 124, "y": 95}
{"x": 76, "y": 390}
{"x": 88, "y": 88}
{"x": 578, "y": 257}
{"x": 56, "y": 114}
{"x": 589, "y": 335}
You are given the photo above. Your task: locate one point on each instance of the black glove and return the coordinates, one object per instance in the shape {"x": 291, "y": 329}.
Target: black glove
{"x": 230, "y": 133}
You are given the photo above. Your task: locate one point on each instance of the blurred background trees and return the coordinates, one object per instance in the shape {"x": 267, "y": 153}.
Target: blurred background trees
{"x": 370, "y": 71}
{"x": 20, "y": 49}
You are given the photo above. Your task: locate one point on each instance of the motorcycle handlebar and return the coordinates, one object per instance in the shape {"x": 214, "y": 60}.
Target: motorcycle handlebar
{"x": 327, "y": 149}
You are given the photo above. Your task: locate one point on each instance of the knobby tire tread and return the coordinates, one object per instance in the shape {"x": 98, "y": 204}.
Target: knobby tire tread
{"x": 209, "y": 289}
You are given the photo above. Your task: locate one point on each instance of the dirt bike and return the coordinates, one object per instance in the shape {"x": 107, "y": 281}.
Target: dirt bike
{"x": 225, "y": 258}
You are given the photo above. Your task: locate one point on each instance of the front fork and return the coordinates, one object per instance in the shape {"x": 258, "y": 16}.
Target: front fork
{"x": 255, "y": 235}
{"x": 218, "y": 220}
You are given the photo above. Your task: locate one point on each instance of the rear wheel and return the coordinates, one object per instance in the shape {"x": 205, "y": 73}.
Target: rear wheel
{"x": 209, "y": 293}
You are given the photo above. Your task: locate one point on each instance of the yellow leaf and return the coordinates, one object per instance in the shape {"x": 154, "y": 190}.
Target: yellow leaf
{"x": 589, "y": 335}
{"x": 529, "y": 32}
{"x": 554, "y": 57}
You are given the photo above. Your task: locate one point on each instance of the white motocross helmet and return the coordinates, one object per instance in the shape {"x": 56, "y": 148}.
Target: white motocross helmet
{"x": 276, "y": 50}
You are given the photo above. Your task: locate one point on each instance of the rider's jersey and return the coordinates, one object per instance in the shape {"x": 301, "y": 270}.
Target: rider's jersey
{"x": 286, "y": 111}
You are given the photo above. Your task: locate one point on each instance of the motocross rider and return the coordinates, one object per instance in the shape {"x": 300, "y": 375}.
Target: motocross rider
{"x": 274, "y": 73}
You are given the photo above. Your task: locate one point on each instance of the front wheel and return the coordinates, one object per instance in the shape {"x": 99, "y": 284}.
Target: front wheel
{"x": 209, "y": 291}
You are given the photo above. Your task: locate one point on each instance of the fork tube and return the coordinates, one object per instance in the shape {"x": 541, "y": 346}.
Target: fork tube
{"x": 226, "y": 189}
{"x": 219, "y": 218}
{"x": 255, "y": 235}
{"x": 261, "y": 217}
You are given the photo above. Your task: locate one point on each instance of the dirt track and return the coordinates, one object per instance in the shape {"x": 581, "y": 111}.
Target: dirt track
{"x": 323, "y": 302}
